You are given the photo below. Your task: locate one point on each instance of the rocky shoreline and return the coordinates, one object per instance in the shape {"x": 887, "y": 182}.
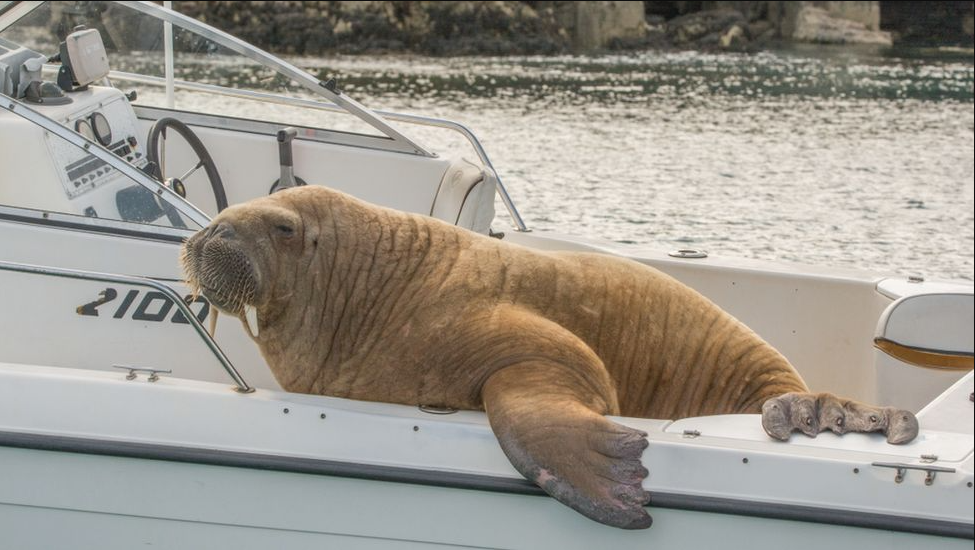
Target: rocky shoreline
{"x": 508, "y": 27}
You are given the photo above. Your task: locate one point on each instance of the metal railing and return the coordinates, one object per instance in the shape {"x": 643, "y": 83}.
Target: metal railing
{"x": 241, "y": 385}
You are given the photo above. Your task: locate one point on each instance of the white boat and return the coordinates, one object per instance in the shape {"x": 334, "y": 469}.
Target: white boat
{"x": 123, "y": 423}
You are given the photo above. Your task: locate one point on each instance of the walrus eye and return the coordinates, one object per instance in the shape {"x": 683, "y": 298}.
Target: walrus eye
{"x": 286, "y": 230}
{"x": 873, "y": 418}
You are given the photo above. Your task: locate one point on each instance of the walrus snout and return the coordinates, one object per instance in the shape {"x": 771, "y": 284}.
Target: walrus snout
{"x": 222, "y": 230}
{"x": 216, "y": 262}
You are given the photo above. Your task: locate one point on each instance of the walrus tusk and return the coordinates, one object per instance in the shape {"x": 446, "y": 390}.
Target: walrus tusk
{"x": 251, "y": 313}
{"x": 213, "y": 323}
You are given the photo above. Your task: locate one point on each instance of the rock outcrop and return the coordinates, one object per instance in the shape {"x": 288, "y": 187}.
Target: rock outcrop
{"x": 437, "y": 28}
{"x": 931, "y": 23}
{"x": 830, "y": 22}
{"x": 597, "y": 25}
{"x": 742, "y": 24}
{"x": 548, "y": 27}
{"x": 721, "y": 27}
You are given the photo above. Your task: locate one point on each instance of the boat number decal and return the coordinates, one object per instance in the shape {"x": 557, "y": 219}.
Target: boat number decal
{"x": 153, "y": 306}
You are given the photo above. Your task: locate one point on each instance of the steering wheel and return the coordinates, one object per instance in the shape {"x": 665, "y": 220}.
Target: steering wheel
{"x": 205, "y": 160}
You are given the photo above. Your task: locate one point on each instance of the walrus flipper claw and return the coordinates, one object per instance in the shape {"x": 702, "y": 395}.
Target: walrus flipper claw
{"x": 814, "y": 413}
{"x": 589, "y": 463}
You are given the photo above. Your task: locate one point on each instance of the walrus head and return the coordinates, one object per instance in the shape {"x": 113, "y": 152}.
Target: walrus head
{"x": 237, "y": 261}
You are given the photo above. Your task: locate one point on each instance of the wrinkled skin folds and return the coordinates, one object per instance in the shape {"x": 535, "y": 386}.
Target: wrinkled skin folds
{"x": 351, "y": 300}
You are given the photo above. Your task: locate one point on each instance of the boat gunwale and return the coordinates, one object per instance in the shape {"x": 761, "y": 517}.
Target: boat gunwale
{"x": 471, "y": 481}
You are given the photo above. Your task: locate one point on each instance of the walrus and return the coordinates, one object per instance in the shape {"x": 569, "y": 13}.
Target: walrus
{"x": 352, "y": 300}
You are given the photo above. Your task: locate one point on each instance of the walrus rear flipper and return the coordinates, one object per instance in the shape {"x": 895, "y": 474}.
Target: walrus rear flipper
{"x": 548, "y": 429}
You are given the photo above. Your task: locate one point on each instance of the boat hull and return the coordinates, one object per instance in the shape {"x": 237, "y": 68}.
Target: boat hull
{"x": 101, "y": 461}
{"x": 105, "y": 502}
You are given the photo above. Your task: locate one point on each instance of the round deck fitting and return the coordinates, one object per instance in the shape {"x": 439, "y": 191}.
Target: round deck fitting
{"x": 688, "y": 253}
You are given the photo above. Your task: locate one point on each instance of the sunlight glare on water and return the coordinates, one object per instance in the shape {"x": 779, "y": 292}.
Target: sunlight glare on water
{"x": 818, "y": 156}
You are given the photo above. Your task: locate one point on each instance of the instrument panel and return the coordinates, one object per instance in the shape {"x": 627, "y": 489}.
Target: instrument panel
{"x": 104, "y": 116}
{"x": 95, "y": 127}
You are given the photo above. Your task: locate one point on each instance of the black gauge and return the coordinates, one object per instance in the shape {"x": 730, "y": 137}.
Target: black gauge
{"x": 84, "y": 128}
{"x": 103, "y": 132}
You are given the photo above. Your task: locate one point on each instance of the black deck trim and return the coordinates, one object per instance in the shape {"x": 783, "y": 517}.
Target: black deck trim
{"x": 312, "y": 466}
{"x": 811, "y": 514}
{"x": 259, "y": 461}
{"x": 90, "y": 228}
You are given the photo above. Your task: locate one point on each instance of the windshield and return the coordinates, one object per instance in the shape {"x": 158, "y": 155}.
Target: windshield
{"x": 135, "y": 35}
{"x": 151, "y": 64}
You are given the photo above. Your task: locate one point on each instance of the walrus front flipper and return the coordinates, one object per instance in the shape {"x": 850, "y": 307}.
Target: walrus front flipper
{"x": 543, "y": 415}
{"x": 812, "y": 413}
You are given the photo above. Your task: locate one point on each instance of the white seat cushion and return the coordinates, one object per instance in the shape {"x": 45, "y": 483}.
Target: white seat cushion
{"x": 465, "y": 197}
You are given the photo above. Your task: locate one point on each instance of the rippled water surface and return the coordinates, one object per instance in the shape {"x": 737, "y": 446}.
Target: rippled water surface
{"x": 817, "y": 156}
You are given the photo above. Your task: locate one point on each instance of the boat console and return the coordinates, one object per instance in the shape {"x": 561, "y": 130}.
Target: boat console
{"x": 102, "y": 114}
{"x": 74, "y": 177}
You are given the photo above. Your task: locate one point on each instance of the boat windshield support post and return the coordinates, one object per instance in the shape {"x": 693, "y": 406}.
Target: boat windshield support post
{"x": 168, "y": 45}
{"x": 241, "y": 385}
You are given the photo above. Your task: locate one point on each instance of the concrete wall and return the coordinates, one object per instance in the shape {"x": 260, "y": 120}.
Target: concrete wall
{"x": 829, "y": 22}
{"x": 595, "y": 25}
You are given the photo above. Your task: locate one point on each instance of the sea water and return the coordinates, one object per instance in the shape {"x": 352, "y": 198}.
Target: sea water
{"x": 816, "y": 155}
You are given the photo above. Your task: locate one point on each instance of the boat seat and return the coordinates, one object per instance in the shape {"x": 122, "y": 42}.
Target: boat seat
{"x": 924, "y": 344}
{"x": 465, "y": 196}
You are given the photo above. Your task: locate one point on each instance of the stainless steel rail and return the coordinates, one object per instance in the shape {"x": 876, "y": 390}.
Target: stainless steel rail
{"x": 333, "y": 108}
{"x": 183, "y": 308}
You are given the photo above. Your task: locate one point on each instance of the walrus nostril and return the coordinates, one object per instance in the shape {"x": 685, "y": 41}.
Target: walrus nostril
{"x": 224, "y": 230}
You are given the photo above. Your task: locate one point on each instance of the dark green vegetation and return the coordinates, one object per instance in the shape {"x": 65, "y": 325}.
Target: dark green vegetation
{"x": 511, "y": 27}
